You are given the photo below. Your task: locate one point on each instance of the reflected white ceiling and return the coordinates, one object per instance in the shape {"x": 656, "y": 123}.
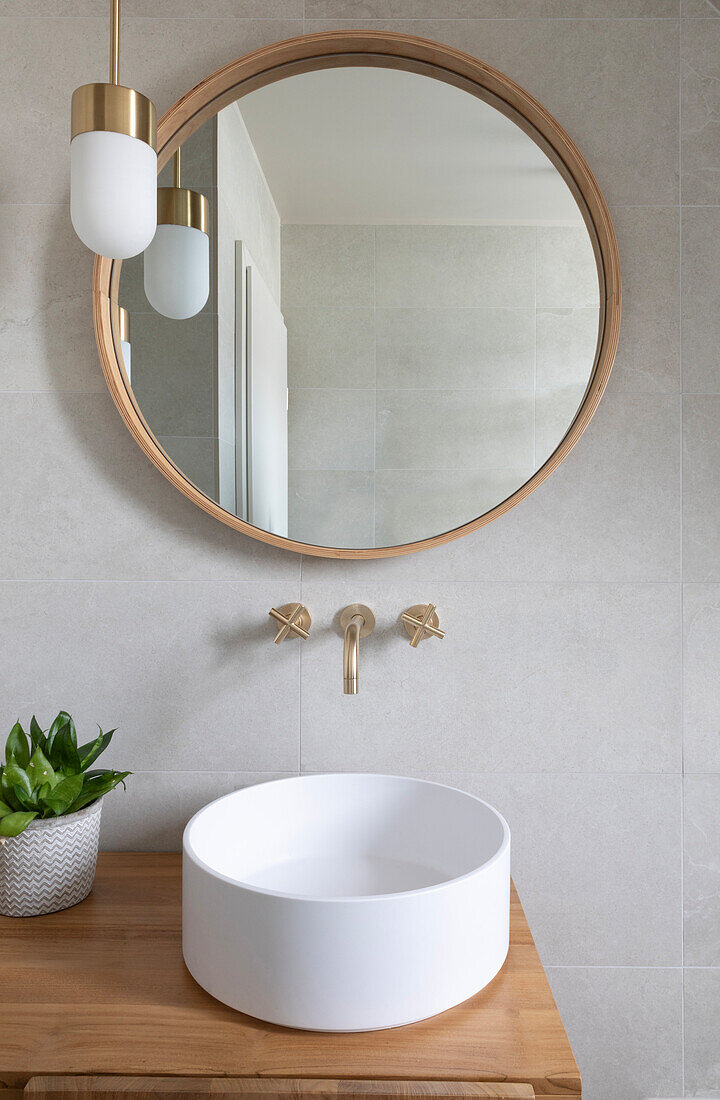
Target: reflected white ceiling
{"x": 382, "y": 146}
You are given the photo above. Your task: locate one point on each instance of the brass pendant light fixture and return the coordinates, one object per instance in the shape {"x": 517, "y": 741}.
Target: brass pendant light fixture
{"x": 177, "y": 263}
{"x": 113, "y": 162}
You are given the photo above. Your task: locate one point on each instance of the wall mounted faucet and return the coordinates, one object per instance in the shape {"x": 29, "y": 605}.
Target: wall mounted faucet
{"x": 421, "y": 622}
{"x": 295, "y": 621}
{"x": 357, "y": 621}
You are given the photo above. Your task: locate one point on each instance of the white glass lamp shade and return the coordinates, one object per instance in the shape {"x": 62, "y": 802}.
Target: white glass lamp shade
{"x": 177, "y": 271}
{"x": 126, "y": 350}
{"x": 113, "y": 192}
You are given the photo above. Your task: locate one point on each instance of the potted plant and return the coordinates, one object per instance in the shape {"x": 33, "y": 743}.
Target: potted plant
{"x": 50, "y": 804}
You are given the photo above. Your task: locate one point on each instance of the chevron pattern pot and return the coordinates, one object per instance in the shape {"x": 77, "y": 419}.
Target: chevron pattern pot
{"x": 51, "y": 865}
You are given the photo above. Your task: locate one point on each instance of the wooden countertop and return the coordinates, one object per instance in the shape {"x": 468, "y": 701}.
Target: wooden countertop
{"x": 102, "y": 989}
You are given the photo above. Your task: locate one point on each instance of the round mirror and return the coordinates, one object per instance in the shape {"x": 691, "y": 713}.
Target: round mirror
{"x": 394, "y": 312}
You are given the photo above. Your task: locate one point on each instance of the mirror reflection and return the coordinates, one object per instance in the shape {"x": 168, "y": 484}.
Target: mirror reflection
{"x": 402, "y": 316}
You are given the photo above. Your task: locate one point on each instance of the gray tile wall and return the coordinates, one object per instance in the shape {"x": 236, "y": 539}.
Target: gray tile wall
{"x": 441, "y": 389}
{"x": 562, "y": 685}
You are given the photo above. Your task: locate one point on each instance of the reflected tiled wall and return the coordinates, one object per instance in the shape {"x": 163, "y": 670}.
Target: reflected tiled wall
{"x": 448, "y": 379}
{"x": 586, "y": 705}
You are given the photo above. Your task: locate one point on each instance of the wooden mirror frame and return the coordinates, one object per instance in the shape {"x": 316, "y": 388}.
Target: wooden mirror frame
{"x": 332, "y": 49}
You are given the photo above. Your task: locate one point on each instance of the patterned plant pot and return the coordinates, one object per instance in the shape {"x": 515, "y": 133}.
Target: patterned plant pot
{"x": 51, "y": 865}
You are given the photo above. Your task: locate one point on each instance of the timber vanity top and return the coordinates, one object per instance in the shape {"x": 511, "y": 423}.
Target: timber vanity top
{"x": 100, "y": 991}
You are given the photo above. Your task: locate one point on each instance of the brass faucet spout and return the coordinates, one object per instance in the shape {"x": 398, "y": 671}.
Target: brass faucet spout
{"x": 357, "y": 621}
{"x": 351, "y": 655}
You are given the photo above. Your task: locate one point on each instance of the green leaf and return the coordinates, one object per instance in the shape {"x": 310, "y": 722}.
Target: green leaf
{"x": 64, "y": 754}
{"x": 17, "y": 778}
{"x": 64, "y": 794}
{"x": 63, "y": 719}
{"x": 16, "y": 746}
{"x": 14, "y": 823}
{"x": 37, "y": 737}
{"x": 90, "y": 752}
{"x": 27, "y": 801}
{"x": 4, "y": 809}
{"x": 7, "y": 792}
{"x": 41, "y": 770}
{"x": 95, "y": 788}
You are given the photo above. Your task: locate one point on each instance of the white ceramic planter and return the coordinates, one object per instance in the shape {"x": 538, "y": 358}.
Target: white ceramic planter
{"x": 345, "y": 902}
{"x": 51, "y": 865}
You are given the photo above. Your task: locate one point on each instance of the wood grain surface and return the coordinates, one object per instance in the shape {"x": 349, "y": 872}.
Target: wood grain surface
{"x": 239, "y": 1088}
{"x": 101, "y": 989}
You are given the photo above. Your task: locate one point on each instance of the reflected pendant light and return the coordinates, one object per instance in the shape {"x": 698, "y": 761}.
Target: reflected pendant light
{"x": 125, "y": 346}
{"x": 177, "y": 263}
{"x": 113, "y": 163}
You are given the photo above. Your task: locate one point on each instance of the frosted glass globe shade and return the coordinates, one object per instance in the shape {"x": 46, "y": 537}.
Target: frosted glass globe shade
{"x": 126, "y": 350}
{"x": 177, "y": 271}
{"x": 113, "y": 192}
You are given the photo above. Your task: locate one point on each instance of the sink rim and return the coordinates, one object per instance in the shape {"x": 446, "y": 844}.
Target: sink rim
{"x": 192, "y": 854}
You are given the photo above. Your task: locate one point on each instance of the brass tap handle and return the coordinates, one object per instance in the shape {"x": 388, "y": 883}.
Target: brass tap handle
{"x": 295, "y": 619}
{"x": 421, "y": 622}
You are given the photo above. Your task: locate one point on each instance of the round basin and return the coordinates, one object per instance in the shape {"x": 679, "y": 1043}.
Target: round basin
{"x": 345, "y": 902}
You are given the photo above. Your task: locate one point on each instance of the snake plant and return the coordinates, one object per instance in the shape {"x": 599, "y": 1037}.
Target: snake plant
{"x": 47, "y": 774}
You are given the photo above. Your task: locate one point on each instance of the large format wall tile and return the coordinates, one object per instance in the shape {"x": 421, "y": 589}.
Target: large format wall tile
{"x": 332, "y": 507}
{"x": 566, "y": 268}
{"x": 81, "y": 502}
{"x": 702, "y": 870}
{"x": 327, "y": 265}
{"x": 701, "y": 502}
{"x": 700, "y": 295}
{"x": 453, "y": 429}
{"x": 455, "y": 348}
{"x": 701, "y": 112}
{"x": 330, "y": 346}
{"x": 566, "y": 344}
{"x": 701, "y": 607}
{"x": 45, "y": 310}
{"x": 528, "y": 678}
{"x": 625, "y": 1027}
{"x": 150, "y": 815}
{"x": 454, "y": 265}
{"x": 197, "y": 9}
{"x": 613, "y": 84}
{"x": 181, "y": 669}
{"x": 331, "y": 429}
{"x": 648, "y": 357}
{"x": 702, "y": 1012}
{"x": 459, "y": 9}
{"x": 610, "y": 512}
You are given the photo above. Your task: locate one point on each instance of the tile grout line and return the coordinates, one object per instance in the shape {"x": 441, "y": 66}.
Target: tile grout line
{"x": 682, "y": 587}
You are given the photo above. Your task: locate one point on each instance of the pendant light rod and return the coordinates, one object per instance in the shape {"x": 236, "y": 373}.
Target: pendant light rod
{"x": 176, "y": 169}
{"x": 114, "y": 41}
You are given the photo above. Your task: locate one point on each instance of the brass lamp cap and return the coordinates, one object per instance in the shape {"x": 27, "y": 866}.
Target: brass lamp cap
{"x": 179, "y": 206}
{"x": 113, "y": 107}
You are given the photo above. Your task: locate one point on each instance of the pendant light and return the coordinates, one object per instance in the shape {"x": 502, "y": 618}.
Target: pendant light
{"x": 113, "y": 163}
{"x": 125, "y": 346}
{"x": 177, "y": 263}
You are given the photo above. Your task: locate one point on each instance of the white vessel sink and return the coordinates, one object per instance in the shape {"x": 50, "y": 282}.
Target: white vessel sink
{"x": 345, "y": 902}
